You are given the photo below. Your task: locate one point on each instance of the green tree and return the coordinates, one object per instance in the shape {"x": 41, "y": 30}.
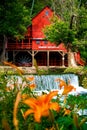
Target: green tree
{"x": 82, "y": 31}
{"x": 14, "y": 18}
{"x": 34, "y": 6}
{"x": 72, "y": 28}
{"x": 60, "y": 32}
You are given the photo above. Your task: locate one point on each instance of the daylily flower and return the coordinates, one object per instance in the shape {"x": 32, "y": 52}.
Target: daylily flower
{"x": 62, "y": 83}
{"x": 32, "y": 86}
{"x": 15, "y": 110}
{"x": 14, "y": 66}
{"x": 66, "y": 112}
{"x": 67, "y": 87}
{"x": 52, "y": 128}
{"x": 30, "y": 78}
{"x": 24, "y": 96}
{"x": 41, "y": 105}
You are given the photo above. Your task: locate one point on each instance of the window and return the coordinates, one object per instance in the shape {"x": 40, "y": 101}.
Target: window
{"x": 47, "y": 12}
{"x": 45, "y": 42}
{"x": 37, "y": 42}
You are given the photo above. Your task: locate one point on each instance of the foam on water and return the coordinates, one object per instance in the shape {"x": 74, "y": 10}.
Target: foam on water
{"x": 47, "y": 82}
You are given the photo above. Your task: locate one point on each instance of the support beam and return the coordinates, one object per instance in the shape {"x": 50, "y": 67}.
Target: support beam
{"x": 6, "y": 55}
{"x": 63, "y": 59}
{"x": 47, "y": 58}
{"x": 32, "y": 58}
{"x": 14, "y": 56}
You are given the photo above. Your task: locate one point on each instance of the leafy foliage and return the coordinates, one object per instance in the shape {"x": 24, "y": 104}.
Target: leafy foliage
{"x": 81, "y": 72}
{"x": 74, "y": 28}
{"x": 84, "y": 82}
{"x": 66, "y": 118}
{"x": 59, "y": 32}
{"x": 14, "y": 18}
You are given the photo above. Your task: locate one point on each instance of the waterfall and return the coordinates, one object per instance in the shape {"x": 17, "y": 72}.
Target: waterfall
{"x": 47, "y": 82}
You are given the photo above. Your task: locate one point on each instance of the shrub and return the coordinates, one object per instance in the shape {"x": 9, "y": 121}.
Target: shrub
{"x": 22, "y": 109}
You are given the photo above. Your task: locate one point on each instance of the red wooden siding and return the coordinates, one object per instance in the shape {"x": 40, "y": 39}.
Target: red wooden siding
{"x": 46, "y": 45}
{"x": 47, "y": 54}
{"x": 34, "y": 46}
{"x": 38, "y": 24}
{"x": 34, "y": 36}
{"x": 40, "y": 21}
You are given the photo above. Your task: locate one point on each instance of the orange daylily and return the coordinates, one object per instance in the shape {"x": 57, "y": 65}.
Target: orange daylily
{"x": 67, "y": 112}
{"x": 67, "y": 87}
{"x": 30, "y": 78}
{"x": 14, "y": 66}
{"x": 15, "y": 110}
{"x": 52, "y": 128}
{"x": 32, "y": 86}
{"x": 62, "y": 83}
{"x": 24, "y": 96}
{"x": 41, "y": 105}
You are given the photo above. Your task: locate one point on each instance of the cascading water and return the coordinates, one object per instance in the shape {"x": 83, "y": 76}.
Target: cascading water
{"x": 47, "y": 82}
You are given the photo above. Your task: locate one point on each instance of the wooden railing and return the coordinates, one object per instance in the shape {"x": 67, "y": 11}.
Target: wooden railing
{"x": 17, "y": 46}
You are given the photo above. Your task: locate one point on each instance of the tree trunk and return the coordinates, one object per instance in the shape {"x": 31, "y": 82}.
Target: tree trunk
{"x": 71, "y": 59}
{"x": 2, "y": 57}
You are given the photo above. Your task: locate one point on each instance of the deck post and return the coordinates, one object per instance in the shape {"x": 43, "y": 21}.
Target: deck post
{"x": 32, "y": 58}
{"x": 14, "y": 56}
{"x": 47, "y": 58}
{"x": 63, "y": 59}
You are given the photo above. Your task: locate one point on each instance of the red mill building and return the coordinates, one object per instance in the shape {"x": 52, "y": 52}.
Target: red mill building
{"x": 33, "y": 46}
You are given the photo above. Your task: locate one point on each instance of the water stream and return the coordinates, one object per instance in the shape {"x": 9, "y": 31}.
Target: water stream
{"x": 47, "y": 82}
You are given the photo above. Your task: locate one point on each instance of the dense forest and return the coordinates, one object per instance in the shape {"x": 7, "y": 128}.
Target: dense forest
{"x": 16, "y": 15}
